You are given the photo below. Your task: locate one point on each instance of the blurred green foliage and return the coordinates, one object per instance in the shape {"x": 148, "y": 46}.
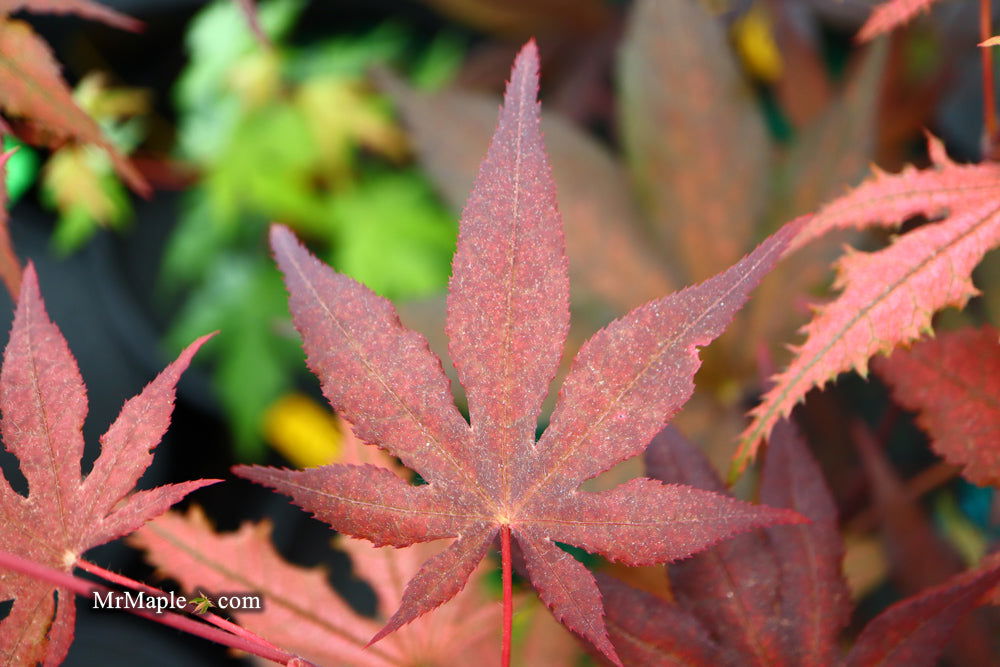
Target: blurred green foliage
{"x": 292, "y": 134}
{"x": 22, "y": 168}
{"x": 78, "y": 180}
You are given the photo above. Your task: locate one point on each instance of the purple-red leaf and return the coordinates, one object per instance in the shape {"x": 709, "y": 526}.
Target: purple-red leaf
{"x": 507, "y": 321}
{"x": 647, "y": 630}
{"x": 733, "y": 588}
{"x": 915, "y": 631}
{"x": 774, "y": 596}
{"x": 953, "y": 383}
{"x": 815, "y": 600}
{"x": 44, "y": 403}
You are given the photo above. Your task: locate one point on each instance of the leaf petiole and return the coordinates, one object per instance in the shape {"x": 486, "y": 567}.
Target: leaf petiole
{"x": 508, "y": 594}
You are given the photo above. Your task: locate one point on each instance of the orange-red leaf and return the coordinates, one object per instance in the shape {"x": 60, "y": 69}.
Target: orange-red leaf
{"x": 44, "y": 403}
{"x": 889, "y": 296}
{"x": 302, "y": 613}
{"x": 890, "y": 15}
{"x": 34, "y": 88}
{"x": 953, "y": 383}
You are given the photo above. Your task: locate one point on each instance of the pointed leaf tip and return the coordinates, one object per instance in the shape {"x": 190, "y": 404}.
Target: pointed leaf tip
{"x": 528, "y": 59}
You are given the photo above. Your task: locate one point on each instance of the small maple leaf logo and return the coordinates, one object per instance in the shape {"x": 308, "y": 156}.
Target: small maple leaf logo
{"x": 202, "y": 603}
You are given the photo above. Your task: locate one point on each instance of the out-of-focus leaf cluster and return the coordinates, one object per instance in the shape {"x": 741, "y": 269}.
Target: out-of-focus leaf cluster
{"x": 90, "y": 130}
{"x": 297, "y": 134}
{"x": 79, "y": 180}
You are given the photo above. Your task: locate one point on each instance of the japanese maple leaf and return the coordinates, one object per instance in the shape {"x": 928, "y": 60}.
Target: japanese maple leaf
{"x": 302, "y": 613}
{"x": 774, "y": 596}
{"x": 889, "y": 296}
{"x": 953, "y": 383}
{"x": 44, "y": 404}
{"x": 777, "y": 596}
{"x": 890, "y": 15}
{"x": 507, "y": 320}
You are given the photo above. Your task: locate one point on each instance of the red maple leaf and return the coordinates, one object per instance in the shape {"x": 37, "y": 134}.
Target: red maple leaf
{"x": 889, "y": 295}
{"x": 777, "y": 596}
{"x": 916, "y": 630}
{"x": 953, "y": 383}
{"x": 507, "y": 321}
{"x": 44, "y": 404}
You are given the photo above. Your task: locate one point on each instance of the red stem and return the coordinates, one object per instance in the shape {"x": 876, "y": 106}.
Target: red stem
{"x": 989, "y": 96}
{"x": 86, "y": 589}
{"x": 508, "y": 594}
{"x": 116, "y": 578}
{"x": 214, "y": 619}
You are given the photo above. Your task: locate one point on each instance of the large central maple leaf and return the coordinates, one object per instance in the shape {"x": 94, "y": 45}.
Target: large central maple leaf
{"x": 508, "y": 314}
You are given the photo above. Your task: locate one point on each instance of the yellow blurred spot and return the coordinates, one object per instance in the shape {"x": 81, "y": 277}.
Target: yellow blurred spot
{"x": 342, "y": 113}
{"x": 256, "y": 79}
{"x": 100, "y": 99}
{"x": 992, "y": 41}
{"x": 755, "y": 45}
{"x": 72, "y": 179}
{"x": 303, "y": 431}
{"x": 865, "y": 564}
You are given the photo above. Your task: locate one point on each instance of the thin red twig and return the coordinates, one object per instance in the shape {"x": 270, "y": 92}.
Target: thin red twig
{"x": 989, "y": 95}
{"x": 249, "y": 10}
{"x": 86, "y": 589}
{"x": 508, "y": 594}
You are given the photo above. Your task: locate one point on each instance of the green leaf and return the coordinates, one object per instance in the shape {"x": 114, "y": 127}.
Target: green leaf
{"x": 218, "y": 38}
{"x": 244, "y": 299}
{"x": 22, "y": 168}
{"x": 394, "y": 236}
